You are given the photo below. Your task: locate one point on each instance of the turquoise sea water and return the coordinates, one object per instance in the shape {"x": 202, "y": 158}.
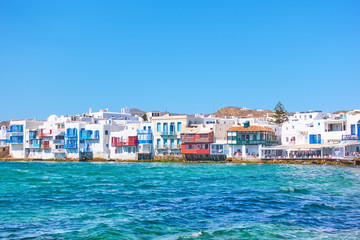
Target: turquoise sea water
{"x": 40, "y": 200}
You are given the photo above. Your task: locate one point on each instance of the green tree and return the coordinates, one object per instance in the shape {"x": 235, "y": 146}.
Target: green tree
{"x": 144, "y": 117}
{"x": 280, "y": 114}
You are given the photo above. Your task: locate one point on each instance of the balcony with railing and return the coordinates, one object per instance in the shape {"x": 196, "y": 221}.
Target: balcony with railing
{"x": 120, "y": 141}
{"x": 35, "y": 143}
{"x": 32, "y": 134}
{"x": 89, "y": 135}
{"x": 70, "y": 145}
{"x": 45, "y": 144}
{"x": 168, "y": 133}
{"x": 15, "y": 140}
{"x": 350, "y": 138}
{"x": 59, "y": 141}
{"x": 16, "y": 129}
{"x": 42, "y": 133}
{"x": 197, "y": 138}
{"x": 144, "y": 136}
{"x": 71, "y": 133}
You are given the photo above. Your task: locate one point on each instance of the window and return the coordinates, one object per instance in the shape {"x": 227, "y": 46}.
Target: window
{"x": 178, "y": 141}
{"x": 179, "y": 126}
{"x": 199, "y": 146}
{"x": 353, "y": 129}
{"x": 158, "y": 127}
{"x": 106, "y": 132}
{"x": 206, "y": 146}
{"x": 193, "y": 146}
{"x": 165, "y": 142}
{"x": 158, "y": 142}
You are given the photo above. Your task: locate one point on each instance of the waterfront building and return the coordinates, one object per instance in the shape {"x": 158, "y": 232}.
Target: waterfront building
{"x": 352, "y": 126}
{"x": 167, "y": 130}
{"x": 19, "y": 131}
{"x": 4, "y": 136}
{"x": 196, "y": 140}
{"x": 248, "y": 140}
{"x": 134, "y": 140}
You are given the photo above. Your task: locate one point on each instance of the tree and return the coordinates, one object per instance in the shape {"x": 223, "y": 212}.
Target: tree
{"x": 280, "y": 114}
{"x": 144, "y": 117}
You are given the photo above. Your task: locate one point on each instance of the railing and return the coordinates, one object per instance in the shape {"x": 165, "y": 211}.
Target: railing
{"x": 35, "y": 145}
{"x": 43, "y": 134}
{"x": 15, "y": 140}
{"x": 119, "y": 144}
{"x": 70, "y": 146}
{"x": 171, "y": 133}
{"x": 16, "y": 129}
{"x": 196, "y": 140}
{"x": 32, "y": 135}
{"x": 59, "y": 141}
{"x": 71, "y": 135}
{"x": 350, "y": 137}
{"x": 89, "y": 136}
{"x": 145, "y": 141}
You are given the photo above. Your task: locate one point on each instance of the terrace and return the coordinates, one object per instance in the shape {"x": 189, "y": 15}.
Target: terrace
{"x": 16, "y": 129}
{"x": 88, "y": 135}
{"x": 15, "y": 140}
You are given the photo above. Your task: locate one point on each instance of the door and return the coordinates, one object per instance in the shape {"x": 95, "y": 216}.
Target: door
{"x": 358, "y": 128}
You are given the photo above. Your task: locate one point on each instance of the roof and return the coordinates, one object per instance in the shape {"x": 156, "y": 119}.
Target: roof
{"x": 196, "y": 130}
{"x": 250, "y": 129}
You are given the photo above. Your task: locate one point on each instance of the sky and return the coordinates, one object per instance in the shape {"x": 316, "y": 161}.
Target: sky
{"x": 63, "y": 57}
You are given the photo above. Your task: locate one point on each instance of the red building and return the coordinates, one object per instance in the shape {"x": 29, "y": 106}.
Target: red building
{"x": 195, "y": 141}
{"x": 120, "y": 141}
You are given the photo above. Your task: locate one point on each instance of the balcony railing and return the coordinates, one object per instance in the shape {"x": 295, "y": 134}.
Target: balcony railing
{"x": 71, "y": 134}
{"x": 16, "y": 129}
{"x": 35, "y": 145}
{"x": 59, "y": 141}
{"x": 350, "y": 138}
{"x": 70, "y": 146}
{"x": 119, "y": 144}
{"x": 87, "y": 136}
{"x": 170, "y": 133}
{"x": 15, "y": 140}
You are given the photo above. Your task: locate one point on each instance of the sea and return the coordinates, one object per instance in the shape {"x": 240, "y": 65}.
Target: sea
{"x": 81, "y": 200}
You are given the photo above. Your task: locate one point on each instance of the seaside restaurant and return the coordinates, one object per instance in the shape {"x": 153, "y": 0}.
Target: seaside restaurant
{"x": 313, "y": 151}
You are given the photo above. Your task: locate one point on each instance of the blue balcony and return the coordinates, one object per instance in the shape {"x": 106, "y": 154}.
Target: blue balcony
{"x": 350, "y": 138}
{"x": 32, "y": 134}
{"x": 166, "y": 133}
{"x": 16, "y": 129}
{"x": 144, "y": 136}
{"x": 15, "y": 140}
{"x": 70, "y": 145}
{"x": 88, "y": 134}
{"x": 71, "y": 133}
{"x": 35, "y": 143}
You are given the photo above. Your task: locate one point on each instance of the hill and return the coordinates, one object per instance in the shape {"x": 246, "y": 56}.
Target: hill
{"x": 241, "y": 112}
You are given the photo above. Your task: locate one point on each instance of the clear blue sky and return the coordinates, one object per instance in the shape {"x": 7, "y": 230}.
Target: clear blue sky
{"x": 63, "y": 57}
